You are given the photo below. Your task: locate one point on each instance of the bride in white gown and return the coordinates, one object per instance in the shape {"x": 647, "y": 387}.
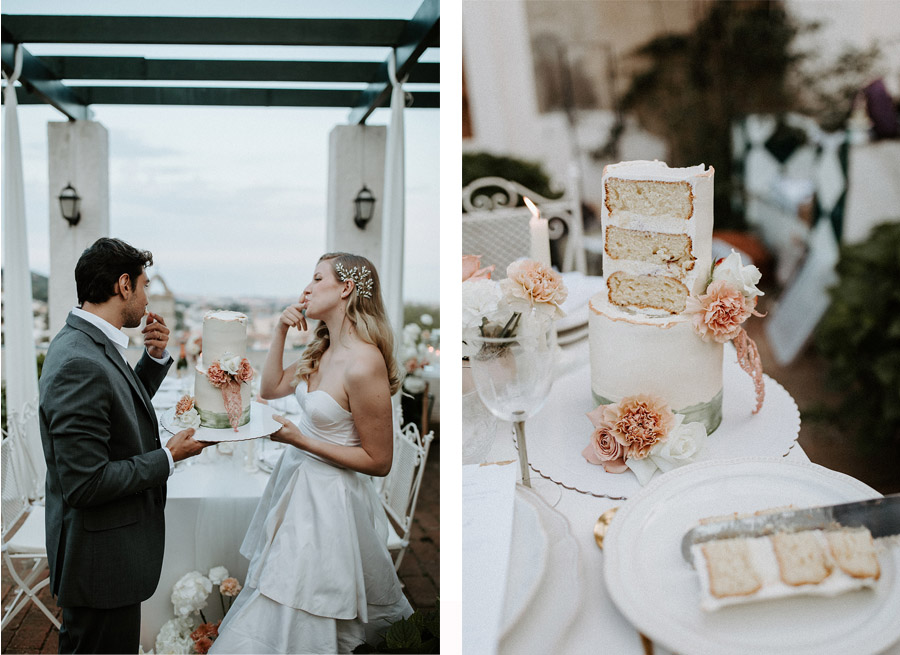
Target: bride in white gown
{"x": 321, "y": 579}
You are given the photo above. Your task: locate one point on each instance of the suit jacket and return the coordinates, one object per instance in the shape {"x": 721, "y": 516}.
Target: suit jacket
{"x": 106, "y": 470}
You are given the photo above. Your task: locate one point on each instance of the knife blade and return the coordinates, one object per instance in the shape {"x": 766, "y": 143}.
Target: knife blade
{"x": 880, "y": 515}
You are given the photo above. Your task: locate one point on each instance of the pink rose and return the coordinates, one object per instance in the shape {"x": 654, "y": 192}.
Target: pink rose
{"x": 639, "y": 423}
{"x": 230, "y": 587}
{"x": 536, "y": 283}
{"x": 217, "y": 376}
{"x": 604, "y": 449}
{"x": 245, "y": 372}
{"x": 719, "y": 313}
{"x": 471, "y": 268}
{"x": 184, "y": 404}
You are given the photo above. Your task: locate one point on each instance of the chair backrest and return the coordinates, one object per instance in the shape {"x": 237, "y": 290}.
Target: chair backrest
{"x": 400, "y": 490}
{"x": 15, "y": 504}
{"x": 496, "y": 226}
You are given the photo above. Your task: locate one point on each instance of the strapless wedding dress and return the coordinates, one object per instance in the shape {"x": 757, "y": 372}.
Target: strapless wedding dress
{"x": 321, "y": 579}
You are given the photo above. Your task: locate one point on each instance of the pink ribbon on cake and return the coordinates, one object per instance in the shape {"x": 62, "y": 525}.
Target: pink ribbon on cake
{"x": 749, "y": 360}
{"x": 231, "y": 395}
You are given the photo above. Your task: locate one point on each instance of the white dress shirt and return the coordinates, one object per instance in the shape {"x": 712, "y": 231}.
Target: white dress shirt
{"x": 120, "y": 340}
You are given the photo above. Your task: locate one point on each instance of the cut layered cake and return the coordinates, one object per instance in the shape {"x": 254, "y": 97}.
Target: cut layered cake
{"x": 657, "y": 225}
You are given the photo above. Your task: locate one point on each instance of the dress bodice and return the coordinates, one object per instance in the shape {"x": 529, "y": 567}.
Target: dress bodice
{"x": 323, "y": 418}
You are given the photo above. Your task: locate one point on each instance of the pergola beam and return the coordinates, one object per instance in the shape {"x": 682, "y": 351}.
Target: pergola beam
{"x": 420, "y": 33}
{"x": 140, "y": 68}
{"x": 43, "y": 84}
{"x": 214, "y": 96}
{"x": 171, "y": 30}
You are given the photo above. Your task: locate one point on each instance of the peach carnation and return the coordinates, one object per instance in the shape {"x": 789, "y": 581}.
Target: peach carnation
{"x": 639, "y": 423}
{"x": 536, "y": 283}
{"x": 472, "y": 270}
{"x": 217, "y": 375}
{"x": 245, "y": 372}
{"x": 203, "y": 645}
{"x": 230, "y": 587}
{"x": 184, "y": 404}
{"x": 205, "y": 630}
{"x": 719, "y": 313}
{"x": 604, "y": 449}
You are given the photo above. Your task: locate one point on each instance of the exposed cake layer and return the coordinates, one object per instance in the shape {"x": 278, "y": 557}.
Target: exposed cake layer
{"x": 654, "y": 217}
{"x": 647, "y": 292}
{"x": 634, "y": 354}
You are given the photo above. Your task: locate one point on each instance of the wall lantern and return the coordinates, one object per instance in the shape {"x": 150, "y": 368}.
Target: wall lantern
{"x": 365, "y": 205}
{"x": 70, "y": 205}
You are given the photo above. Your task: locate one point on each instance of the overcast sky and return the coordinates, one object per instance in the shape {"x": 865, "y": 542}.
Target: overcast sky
{"x": 194, "y": 184}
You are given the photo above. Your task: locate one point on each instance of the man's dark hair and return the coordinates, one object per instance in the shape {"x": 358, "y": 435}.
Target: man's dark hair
{"x": 102, "y": 264}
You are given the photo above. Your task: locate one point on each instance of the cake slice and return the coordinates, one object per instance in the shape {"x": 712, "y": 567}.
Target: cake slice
{"x": 801, "y": 558}
{"x": 659, "y": 292}
{"x": 854, "y": 552}
{"x": 657, "y": 198}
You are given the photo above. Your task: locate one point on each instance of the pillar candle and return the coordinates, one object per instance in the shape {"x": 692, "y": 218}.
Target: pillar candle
{"x": 540, "y": 235}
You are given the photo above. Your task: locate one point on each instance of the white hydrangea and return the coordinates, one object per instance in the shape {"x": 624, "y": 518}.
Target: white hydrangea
{"x": 480, "y": 299}
{"x": 744, "y": 278}
{"x": 217, "y": 574}
{"x": 413, "y": 384}
{"x": 175, "y": 637}
{"x": 230, "y": 363}
{"x": 190, "y": 593}
{"x": 426, "y": 319}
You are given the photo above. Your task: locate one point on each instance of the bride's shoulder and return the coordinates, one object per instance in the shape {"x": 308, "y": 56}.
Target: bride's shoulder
{"x": 367, "y": 362}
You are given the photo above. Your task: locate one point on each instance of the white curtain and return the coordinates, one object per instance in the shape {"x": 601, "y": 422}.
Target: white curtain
{"x": 394, "y": 211}
{"x": 18, "y": 317}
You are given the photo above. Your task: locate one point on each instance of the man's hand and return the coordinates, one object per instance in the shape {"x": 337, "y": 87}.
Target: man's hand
{"x": 156, "y": 335}
{"x": 183, "y": 445}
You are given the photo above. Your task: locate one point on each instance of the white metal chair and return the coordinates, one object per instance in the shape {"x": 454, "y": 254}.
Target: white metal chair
{"x": 22, "y": 542}
{"x": 495, "y": 227}
{"x": 400, "y": 489}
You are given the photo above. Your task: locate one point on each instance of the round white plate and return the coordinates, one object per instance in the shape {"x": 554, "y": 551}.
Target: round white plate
{"x": 558, "y": 433}
{"x": 658, "y": 591}
{"x": 527, "y": 558}
{"x": 261, "y": 424}
{"x": 543, "y": 622}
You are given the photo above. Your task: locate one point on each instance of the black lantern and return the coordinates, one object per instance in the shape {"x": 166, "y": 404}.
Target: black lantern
{"x": 365, "y": 205}
{"x": 70, "y": 205}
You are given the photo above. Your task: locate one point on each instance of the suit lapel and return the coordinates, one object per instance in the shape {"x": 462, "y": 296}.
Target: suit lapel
{"x": 113, "y": 355}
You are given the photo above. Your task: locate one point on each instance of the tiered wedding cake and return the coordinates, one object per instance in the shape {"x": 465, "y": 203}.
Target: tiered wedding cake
{"x": 657, "y": 230}
{"x": 221, "y": 392}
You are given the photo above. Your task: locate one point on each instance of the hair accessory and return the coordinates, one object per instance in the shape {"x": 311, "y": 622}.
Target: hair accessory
{"x": 362, "y": 279}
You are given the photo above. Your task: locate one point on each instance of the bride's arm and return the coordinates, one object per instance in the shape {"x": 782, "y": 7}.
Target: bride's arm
{"x": 370, "y": 399}
{"x": 276, "y": 380}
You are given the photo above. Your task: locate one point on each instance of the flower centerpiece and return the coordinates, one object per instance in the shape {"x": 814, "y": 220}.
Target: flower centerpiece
{"x": 526, "y": 302}
{"x": 183, "y": 634}
{"x": 227, "y": 374}
{"x": 642, "y": 433}
{"x": 420, "y": 347}
{"x": 718, "y": 314}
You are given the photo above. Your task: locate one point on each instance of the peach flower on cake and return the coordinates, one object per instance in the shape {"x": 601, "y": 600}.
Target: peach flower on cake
{"x": 639, "y": 422}
{"x": 719, "y": 313}
{"x": 604, "y": 449}
{"x": 531, "y": 283}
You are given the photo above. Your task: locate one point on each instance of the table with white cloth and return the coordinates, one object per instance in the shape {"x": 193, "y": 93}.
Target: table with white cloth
{"x": 211, "y": 499}
{"x": 558, "y": 600}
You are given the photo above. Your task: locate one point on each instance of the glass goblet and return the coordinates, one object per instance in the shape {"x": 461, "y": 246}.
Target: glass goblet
{"x": 513, "y": 376}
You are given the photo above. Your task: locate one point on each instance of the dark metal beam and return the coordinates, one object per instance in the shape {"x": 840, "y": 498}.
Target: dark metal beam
{"x": 139, "y": 68}
{"x": 420, "y": 33}
{"x": 167, "y": 30}
{"x": 43, "y": 84}
{"x": 241, "y": 97}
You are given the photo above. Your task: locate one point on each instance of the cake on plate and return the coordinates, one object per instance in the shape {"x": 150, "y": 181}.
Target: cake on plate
{"x": 222, "y": 375}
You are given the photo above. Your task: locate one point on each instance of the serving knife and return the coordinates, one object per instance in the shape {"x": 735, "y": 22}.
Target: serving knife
{"x": 880, "y": 515}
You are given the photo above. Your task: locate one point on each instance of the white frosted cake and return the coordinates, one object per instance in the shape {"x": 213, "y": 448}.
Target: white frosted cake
{"x": 657, "y": 230}
{"x": 225, "y": 353}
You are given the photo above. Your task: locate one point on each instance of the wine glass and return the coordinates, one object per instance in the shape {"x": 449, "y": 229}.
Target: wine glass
{"x": 513, "y": 376}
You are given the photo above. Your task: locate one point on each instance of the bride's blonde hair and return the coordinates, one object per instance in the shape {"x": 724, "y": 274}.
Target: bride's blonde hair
{"x": 366, "y": 313}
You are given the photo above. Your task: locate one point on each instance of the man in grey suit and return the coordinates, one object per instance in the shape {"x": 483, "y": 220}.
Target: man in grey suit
{"x": 106, "y": 467}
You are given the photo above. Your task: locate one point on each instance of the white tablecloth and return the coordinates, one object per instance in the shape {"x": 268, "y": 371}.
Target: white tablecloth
{"x": 598, "y": 627}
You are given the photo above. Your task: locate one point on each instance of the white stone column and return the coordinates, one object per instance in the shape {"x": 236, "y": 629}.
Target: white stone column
{"x": 78, "y": 155}
{"x": 355, "y": 157}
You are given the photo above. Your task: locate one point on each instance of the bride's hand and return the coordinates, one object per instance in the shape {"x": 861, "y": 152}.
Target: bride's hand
{"x": 292, "y": 316}
{"x": 288, "y": 434}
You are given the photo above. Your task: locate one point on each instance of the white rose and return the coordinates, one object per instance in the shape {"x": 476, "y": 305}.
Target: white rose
{"x": 189, "y": 419}
{"x": 741, "y": 277}
{"x": 684, "y": 443}
{"x": 480, "y": 298}
{"x": 230, "y": 363}
{"x": 426, "y": 319}
{"x": 643, "y": 468}
{"x": 217, "y": 574}
{"x": 190, "y": 593}
{"x": 175, "y": 636}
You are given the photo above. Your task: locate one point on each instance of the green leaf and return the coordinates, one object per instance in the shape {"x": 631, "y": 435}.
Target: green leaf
{"x": 403, "y": 634}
